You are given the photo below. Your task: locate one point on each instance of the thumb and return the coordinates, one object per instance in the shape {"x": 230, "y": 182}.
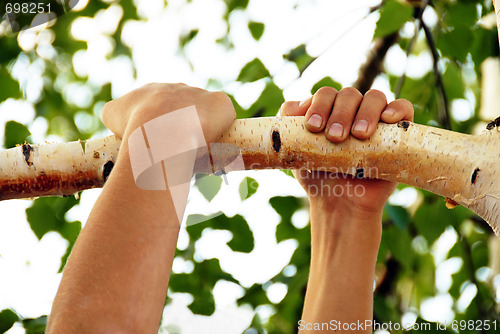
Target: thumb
{"x": 115, "y": 119}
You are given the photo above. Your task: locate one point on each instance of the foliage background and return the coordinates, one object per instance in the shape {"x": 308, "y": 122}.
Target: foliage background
{"x": 428, "y": 255}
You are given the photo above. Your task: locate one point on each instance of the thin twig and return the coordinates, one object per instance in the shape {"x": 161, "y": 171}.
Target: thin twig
{"x": 445, "y": 115}
{"x": 418, "y": 26}
{"x": 373, "y": 65}
{"x": 302, "y": 70}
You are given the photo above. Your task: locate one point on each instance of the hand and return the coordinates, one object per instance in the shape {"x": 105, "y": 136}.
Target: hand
{"x": 340, "y": 114}
{"x": 125, "y": 114}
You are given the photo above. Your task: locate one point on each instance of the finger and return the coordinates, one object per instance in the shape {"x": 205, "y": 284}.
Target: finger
{"x": 320, "y": 109}
{"x": 344, "y": 110}
{"x": 113, "y": 120}
{"x": 220, "y": 115}
{"x": 295, "y": 108}
{"x": 368, "y": 116}
{"x": 397, "y": 111}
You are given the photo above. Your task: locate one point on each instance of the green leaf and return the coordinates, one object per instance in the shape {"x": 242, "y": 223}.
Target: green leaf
{"x": 10, "y": 50}
{"x": 48, "y": 214}
{"x": 285, "y": 207}
{"x": 208, "y": 185}
{"x": 393, "y": 15}
{"x": 254, "y": 296}
{"x": 16, "y": 133}
{"x": 461, "y": 14}
{"x": 242, "y": 240}
{"x": 253, "y": 71}
{"x": 35, "y": 326}
{"x": 326, "y": 82}
{"x": 432, "y": 218}
{"x": 10, "y": 86}
{"x": 288, "y": 172}
{"x": 485, "y": 45}
{"x": 200, "y": 284}
{"x": 203, "y": 302}
{"x": 235, "y": 4}
{"x": 456, "y": 44}
{"x": 248, "y": 187}
{"x": 268, "y": 103}
{"x": 398, "y": 215}
{"x": 399, "y": 243}
{"x": 453, "y": 82}
{"x": 300, "y": 57}
{"x": 185, "y": 39}
{"x": 256, "y": 29}
{"x": 7, "y": 319}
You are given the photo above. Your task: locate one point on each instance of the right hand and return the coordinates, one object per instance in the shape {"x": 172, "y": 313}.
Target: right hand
{"x": 127, "y": 113}
{"x": 346, "y": 109}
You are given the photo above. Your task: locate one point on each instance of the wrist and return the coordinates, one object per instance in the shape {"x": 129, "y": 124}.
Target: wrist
{"x": 339, "y": 208}
{"x": 338, "y": 225}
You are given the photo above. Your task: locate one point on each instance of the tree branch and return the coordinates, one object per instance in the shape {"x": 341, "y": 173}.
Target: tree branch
{"x": 373, "y": 65}
{"x": 445, "y": 115}
{"x": 418, "y": 18}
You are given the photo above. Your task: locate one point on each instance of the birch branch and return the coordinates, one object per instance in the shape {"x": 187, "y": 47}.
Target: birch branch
{"x": 463, "y": 168}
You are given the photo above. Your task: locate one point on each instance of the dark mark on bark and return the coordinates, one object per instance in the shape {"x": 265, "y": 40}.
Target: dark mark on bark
{"x": 276, "y": 141}
{"x": 404, "y": 124}
{"x": 108, "y": 167}
{"x": 360, "y": 173}
{"x": 27, "y": 149}
{"x": 494, "y": 123}
{"x": 474, "y": 175}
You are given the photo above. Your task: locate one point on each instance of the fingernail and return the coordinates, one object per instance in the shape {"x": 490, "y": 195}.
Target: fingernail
{"x": 388, "y": 113}
{"x": 336, "y": 130}
{"x": 361, "y": 126}
{"x": 304, "y": 101}
{"x": 315, "y": 120}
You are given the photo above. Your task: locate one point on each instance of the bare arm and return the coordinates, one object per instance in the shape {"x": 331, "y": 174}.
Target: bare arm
{"x": 346, "y": 212}
{"x": 118, "y": 272}
{"x": 342, "y": 272}
{"x": 116, "y": 278}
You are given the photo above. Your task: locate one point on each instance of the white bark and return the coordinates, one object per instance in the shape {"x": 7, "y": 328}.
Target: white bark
{"x": 463, "y": 168}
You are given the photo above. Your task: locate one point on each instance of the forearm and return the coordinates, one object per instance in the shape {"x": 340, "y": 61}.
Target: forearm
{"x": 343, "y": 256}
{"x": 117, "y": 275}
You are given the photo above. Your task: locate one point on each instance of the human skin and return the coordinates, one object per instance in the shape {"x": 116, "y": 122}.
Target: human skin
{"x": 116, "y": 278}
{"x": 346, "y": 226}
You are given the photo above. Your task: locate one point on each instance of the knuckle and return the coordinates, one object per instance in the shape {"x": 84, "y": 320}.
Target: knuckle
{"x": 225, "y": 101}
{"x": 326, "y": 90}
{"x": 286, "y": 107}
{"x": 375, "y": 93}
{"x": 221, "y": 98}
{"x": 350, "y": 91}
{"x": 405, "y": 105}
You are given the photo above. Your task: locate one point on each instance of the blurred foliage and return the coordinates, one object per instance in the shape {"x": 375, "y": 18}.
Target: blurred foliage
{"x": 406, "y": 264}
